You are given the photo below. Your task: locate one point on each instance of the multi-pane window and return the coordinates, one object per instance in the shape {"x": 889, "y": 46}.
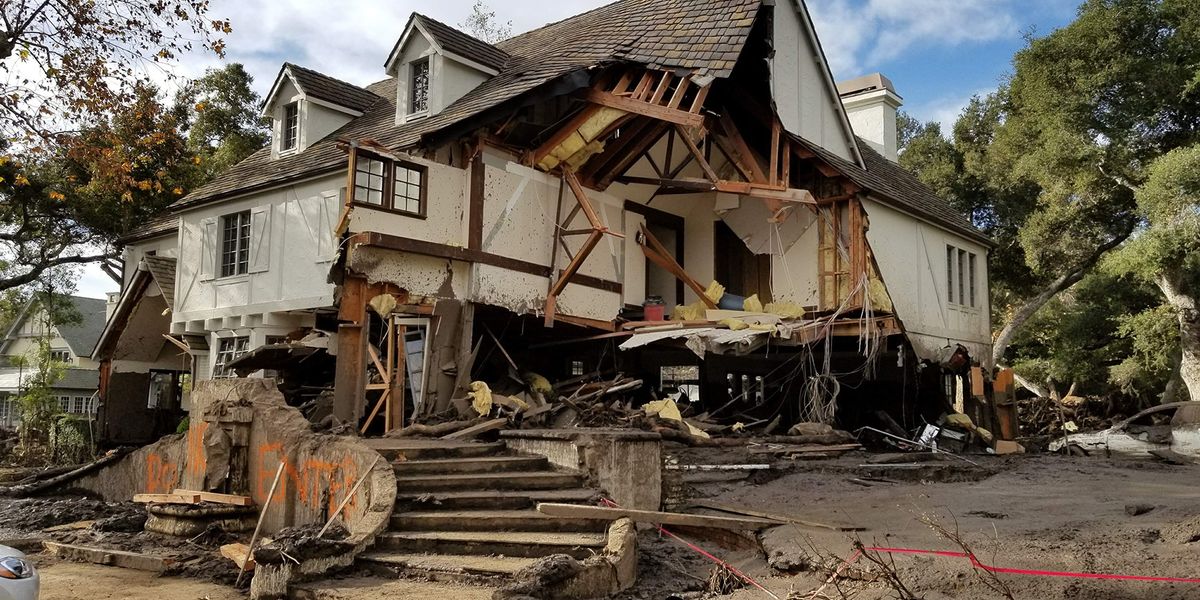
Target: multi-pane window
{"x": 418, "y": 101}
{"x": 393, "y": 185}
{"x": 960, "y": 277}
{"x": 370, "y": 175}
{"x": 406, "y": 189}
{"x": 291, "y": 126}
{"x": 235, "y": 244}
{"x": 63, "y": 356}
{"x": 228, "y": 351}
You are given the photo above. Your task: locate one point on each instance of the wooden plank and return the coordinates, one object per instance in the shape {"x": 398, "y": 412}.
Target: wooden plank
{"x": 109, "y": 557}
{"x": 680, "y": 91}
{"x": 976, "y": 381}
{"x": 560, "y": 136}
{"x": 230, "y": 499}
{"x": 188, "y": 498}
{"x": 661, "y": 90}
{"x": 779, "y": 518}
{"x": 698, "y": 101}
{"x": 600, "y": 513}
{"x": 654, "y": 250}
{"x": 240, "y": 555}
{"x": 76, "y": 526}
{"x": 654, "y": 111}
{"x": 709, "y": 172}
{"x": 774, "y": 162}
{"x": 476, "y": 430}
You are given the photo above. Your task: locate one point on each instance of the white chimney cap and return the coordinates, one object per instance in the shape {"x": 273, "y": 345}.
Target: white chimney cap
{"x": 866, "y": 83}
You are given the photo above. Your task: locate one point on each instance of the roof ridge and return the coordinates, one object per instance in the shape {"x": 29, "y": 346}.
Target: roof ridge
{"x": 558, "y": 22}
{"x": 444, "y": 24}
{"x": 289, "y": 64}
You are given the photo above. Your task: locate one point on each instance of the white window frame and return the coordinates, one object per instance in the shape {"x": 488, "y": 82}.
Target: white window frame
{"x": 289, "y": 128}
{"x": 229, "y": 349}
{"x": 241, "y": 245}
{"x": 413, "y": 113}
{"x": 961, "y": 277}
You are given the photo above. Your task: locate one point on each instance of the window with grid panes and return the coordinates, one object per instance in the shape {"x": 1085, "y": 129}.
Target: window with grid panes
{"x": 407, "y": 187}
{"x": 370, "y": 176}
{"x": 291, "y": 126}
{"x": 235, "y": 244}
{"x": 419, "y": 86}
{"x": 228, "y": 351}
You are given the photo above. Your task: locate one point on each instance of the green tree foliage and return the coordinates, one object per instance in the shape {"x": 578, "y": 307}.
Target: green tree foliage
{"x": 219, "y": 113}
{"x": 60, "y": 59}
{"x": 1049, "y": 165}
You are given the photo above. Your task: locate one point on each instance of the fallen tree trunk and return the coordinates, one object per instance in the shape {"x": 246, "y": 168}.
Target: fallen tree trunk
{"x": 21, "y": 491}
{"x": 417, "y": 429}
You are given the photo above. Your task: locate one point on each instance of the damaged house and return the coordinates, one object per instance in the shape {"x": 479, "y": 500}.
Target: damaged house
{"x": 673, "y": 190}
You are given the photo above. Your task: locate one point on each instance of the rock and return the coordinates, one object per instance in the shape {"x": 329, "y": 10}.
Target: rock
{"x": 1135, "y": 510}
{"x": 810, "y": 429}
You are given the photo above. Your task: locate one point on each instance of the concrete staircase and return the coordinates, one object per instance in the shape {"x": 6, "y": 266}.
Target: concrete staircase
{"x": 466, "y": 512}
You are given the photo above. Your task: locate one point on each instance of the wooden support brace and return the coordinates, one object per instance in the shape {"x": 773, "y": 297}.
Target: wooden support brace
{"x": 641, "y": 107}
{"x": 697, "y": 154}
{"x": 657, "y": 253}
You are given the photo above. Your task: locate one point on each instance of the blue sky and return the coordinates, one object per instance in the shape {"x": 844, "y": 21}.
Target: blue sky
{"x": 938, "y": 53}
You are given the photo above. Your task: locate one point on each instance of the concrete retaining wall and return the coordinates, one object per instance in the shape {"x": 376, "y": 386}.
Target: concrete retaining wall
{"x": 626, "y": 464}
{"x": 318, "y": 470}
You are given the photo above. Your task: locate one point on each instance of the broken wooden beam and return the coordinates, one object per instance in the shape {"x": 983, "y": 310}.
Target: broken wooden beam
{"x": 240, "y": 555}
{"x": 230, "y": 499}
{"x": 641, "y": 107}
{"x": 109, "y": 557}
{"x": 476, "y": 430}
{"x": 185, "y": 498}
{"x": 775, "y": 517}
{"x": 601, "y": 513}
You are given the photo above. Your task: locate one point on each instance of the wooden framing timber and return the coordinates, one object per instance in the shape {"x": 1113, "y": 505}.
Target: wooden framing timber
{"x": 659, "y": 255}
{"x": 639, "y": 107}
{"x": 424, "y": 248}
{"x": 559, "y": 281}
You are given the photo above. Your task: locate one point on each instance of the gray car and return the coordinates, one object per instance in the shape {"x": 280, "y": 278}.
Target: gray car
{"x": 18, "y": 578}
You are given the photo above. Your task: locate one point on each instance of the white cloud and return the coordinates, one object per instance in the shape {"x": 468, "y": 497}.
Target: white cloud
{"x": 348, "y": 39}
{"x": 946, "y": 109}
{"x": 858, "y": 36}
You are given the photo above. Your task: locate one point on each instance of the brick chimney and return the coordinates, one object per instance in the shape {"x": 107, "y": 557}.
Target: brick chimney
{"x": 871, "y": 102}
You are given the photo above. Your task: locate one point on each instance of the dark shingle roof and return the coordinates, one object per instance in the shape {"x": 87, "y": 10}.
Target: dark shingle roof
{"x": 901, "y": 187}
{"x": 329, "y": 89}
{"x": 690, "y": 34}
{"x": 82, "y": 336}
{"x": 151, "y": 228}
{"x": 457, "y": 42}
{"x": 163, "y": 270}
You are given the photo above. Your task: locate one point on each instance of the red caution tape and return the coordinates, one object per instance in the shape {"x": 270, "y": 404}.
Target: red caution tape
{"x": 1034, "y": 572}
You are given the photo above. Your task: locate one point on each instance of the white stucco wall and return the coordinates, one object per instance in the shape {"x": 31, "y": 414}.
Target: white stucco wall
{"x": 165, "y": 245}
{"x": 799, "y": 83}
{"x": 912, "y": 261}
{"x": 299, "y": 246}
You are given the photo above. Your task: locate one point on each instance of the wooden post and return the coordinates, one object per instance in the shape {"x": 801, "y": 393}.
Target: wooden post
{"x": 397, "y": 364}
{"x": 257, "y": 528}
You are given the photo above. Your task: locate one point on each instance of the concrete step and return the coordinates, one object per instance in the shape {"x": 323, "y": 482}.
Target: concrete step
{"x": 491, "y": 499}
{"x": 481, "y": 464}
{"x": 424, "y": 449}
{"x": 448, "y": 567}
{"x": 525, "y": 544}
{"x": 491, "y": 520}
{"x": 516, "y": 480}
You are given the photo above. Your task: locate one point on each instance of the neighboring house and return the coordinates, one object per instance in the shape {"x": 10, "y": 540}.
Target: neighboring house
{"x": 535, "y": 176}
{"x": 70, "y": 344}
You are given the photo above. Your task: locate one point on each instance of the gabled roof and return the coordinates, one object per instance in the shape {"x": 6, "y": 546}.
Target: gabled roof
{"x": 459, "y": 43}
{"x": 322, "y": 87}
{"x": 80, "y": 337}
{"x": 690, "y": 34}
{"x": 13, "y": 379}
{"x": 160, "y": 270}
{"x": 164, "y": 224}
{"x": 900, "y": 188}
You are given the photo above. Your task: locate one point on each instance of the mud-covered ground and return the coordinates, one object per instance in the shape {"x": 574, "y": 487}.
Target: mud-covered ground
{"x": 1035, "y": 512}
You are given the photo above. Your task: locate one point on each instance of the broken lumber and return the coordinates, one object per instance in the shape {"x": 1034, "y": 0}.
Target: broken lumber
{"x": 20, "y": 491}
{"x": 418, "y": 429}
{"x": 601, "y": 513}
{"x": 230, "y": 499}
{"x": 185, "y": 498}
{"x": 777, "y": 518}
{"x": 477, "y": 430}
{"x": 112, "y": 558}
{"x": 240, "y": 555}
{"x": 77, "y": 525}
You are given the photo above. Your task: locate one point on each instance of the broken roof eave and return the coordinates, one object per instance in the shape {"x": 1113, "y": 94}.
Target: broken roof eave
{"x": 121, "y": 314}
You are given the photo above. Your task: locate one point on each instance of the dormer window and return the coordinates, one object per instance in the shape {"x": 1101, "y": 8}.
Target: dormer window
{"x": 419, "y": 86}
{"x": 291, "y": 127}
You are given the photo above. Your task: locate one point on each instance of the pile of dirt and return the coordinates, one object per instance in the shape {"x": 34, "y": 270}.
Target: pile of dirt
{"x": 303, "y": 543}
{"x": 35, "y": 514}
